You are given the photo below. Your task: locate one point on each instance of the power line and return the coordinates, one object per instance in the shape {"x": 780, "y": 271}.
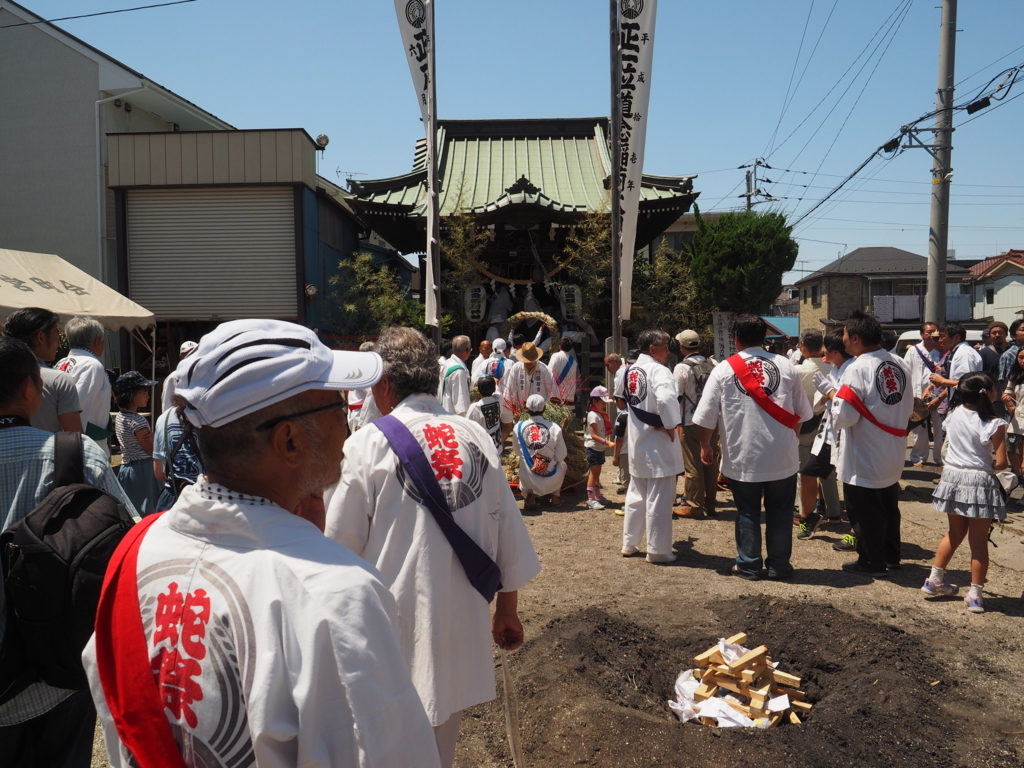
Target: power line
{"x": 840, "y": 80}
{"x": 98, "y": 13}
{"x": 789, "y": 85}
{"x": 989, "y": 65}
{"x": 1001, "y": 104}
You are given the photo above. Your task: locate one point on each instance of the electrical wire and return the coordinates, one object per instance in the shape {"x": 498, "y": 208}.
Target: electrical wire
{"x": 988, "y": 65}
{"x": 99, "y": 13}
{"x": 789, "y": 85}
{"x": 1002, "y": 103}
{"x": 841, "y": 78}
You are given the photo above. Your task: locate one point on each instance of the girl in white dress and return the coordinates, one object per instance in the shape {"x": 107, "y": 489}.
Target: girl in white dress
{"x": 969, "y": 492}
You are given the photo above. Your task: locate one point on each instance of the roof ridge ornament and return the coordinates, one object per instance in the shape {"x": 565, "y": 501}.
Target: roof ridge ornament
{"x": 523, "y": 185}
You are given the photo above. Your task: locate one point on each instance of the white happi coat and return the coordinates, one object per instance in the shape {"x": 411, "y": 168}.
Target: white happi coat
{"x": 478, "y": 367}
{"x": 519, "y": 384}
{"x": 565, "y": 386}
{"x": 362, "y": 408}
{"x": 866, "y": 455}
{"x": 542, "y": 438}
{"x": 289, "y": 637}
{"x": 444, "y": 623}
{"x": 491, "y": 369}
{"x": 453, "y": 387}
{"x": 756, "y": 448}
{"x": 93, "y": 387}
{"x": 649, "y": 385}
{"x": 919, "y": 370}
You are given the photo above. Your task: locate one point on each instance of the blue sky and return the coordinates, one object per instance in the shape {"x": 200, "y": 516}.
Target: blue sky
{"x": 721, "y": 75}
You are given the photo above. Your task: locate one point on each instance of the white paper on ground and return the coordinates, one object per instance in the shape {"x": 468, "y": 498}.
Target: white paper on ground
{"x": 731, "y": 651}
{"x": 778, "y": 703}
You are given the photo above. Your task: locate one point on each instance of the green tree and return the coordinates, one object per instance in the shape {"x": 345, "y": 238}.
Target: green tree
{"x": 366, "y": 298}
{"x": 737, "y": 262}
{"x": 664, "y": 295}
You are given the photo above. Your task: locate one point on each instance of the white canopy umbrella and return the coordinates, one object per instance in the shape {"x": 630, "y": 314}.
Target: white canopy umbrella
{"x": 48, "y": 281}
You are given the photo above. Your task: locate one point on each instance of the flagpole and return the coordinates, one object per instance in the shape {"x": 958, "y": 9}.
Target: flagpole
{"x": 616, "y": 212}
{"x": 435, "y": 187}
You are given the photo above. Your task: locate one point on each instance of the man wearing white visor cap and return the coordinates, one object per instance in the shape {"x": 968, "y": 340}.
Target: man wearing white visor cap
{"x": 171, "y": 382}
{"x": 231, "y": 631}
{"x": 424, "y": 498}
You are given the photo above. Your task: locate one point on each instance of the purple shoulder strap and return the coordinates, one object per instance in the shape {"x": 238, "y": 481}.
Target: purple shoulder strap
{"x": 482, "y": 572}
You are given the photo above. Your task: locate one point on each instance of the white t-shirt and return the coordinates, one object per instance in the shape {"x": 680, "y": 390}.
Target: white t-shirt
{"x": 970, "y": 440}
{"x": 443, "y": 622}
{"x": 756, "y": 448}
{"x": 964, "y": 360}
{"x": 275, "y": 646}
{"x": 595, "y": 423}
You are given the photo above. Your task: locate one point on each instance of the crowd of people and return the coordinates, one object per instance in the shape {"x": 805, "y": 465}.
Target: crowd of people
{"x": 321, "y": 533}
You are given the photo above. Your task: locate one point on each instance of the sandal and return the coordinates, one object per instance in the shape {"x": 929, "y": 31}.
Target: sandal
{"x": 556, "y": 501}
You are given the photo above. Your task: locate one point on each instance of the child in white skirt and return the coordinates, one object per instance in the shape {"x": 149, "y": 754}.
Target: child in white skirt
{"x": 969, "y": 492}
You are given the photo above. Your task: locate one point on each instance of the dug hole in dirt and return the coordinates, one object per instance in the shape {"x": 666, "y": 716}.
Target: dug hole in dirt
{"x": 593, "y": 689}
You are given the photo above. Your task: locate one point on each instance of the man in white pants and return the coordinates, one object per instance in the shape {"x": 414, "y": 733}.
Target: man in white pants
{"x": 654, "y": 459}
{"x": 925, "y": 359}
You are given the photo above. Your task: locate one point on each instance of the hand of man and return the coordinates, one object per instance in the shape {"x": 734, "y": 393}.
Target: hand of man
{"x": 615, "y": 461}
{"x": 936, "y": 378}
{"x": 707, "y": 455}
{"x": 507, "y": 631}
{"x": 933, "y": 404}
{"x": 671, "y": 432}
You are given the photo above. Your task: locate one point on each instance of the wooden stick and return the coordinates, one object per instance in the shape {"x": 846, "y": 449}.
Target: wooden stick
{"x": 748, "y": 658}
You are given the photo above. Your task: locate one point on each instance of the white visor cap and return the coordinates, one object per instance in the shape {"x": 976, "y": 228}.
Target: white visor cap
{"x": 536, "y": 403}
{"x": 245, "y": 365}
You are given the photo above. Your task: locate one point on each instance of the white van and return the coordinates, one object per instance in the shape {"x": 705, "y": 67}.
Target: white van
{"x": 908, "y": 339}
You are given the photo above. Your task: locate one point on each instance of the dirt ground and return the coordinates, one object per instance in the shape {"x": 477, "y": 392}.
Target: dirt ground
{"x": 895, "y": 679}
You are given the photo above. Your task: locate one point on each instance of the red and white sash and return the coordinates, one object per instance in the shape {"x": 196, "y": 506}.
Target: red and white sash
{"x": 738, "y": 363}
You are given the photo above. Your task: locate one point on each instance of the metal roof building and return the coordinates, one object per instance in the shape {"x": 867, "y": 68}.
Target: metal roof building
{"x": 519, "y": 172}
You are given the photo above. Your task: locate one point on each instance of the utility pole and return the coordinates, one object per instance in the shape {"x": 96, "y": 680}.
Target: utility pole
{"x": 616, "y": 212}
{"x": 942, "y": 171}
{"x": 751, "y": 185}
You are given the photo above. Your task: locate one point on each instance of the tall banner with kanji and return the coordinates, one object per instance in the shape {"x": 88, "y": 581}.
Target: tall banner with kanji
{"x": 416, "y": 20}
{"x": 636, "y": 53}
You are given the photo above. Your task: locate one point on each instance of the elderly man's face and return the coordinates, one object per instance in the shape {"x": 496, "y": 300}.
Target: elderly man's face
{"x": 485, "y": 348}
{"x": 612, "y": 364}
{"x": 326, "y": 440}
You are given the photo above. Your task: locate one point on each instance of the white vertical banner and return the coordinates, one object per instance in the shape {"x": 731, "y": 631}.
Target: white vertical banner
{"x": 636, "y": 54}
{"x": 416, "y": 21}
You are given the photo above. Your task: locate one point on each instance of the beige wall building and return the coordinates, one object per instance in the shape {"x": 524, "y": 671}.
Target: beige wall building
{"x": 59, "y": 97}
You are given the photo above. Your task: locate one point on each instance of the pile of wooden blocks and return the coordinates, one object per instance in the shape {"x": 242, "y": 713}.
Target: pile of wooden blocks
{"x": 752, "y": 679}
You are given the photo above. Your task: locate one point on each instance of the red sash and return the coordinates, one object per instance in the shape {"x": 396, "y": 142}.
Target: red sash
{"x": 753, "y": 387}
{"x": 847, "y": 394}
{"x": 122, "y": 657}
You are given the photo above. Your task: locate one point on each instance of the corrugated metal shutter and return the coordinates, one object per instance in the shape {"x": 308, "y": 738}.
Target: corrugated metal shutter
{"x": 197, "y": 253}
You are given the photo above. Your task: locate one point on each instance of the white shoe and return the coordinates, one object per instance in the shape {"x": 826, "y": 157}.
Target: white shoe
{"x": 594, "y": 504}
{"x": 659, "y": 559}
{"x": 629, "y": 551}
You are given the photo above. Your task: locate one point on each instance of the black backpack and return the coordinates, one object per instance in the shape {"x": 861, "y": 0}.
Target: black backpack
{"x": 53, "y": 565}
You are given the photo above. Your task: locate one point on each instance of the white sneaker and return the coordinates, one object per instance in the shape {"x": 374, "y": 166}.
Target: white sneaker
{"x": 594, "y": 504}
{"x": 669, "y": 558}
